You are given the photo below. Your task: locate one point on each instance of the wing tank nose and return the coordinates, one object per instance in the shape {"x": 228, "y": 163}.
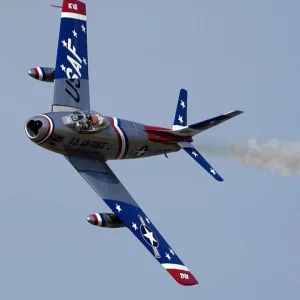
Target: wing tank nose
{"x": 32, "y": 73}
{"x": 105, "y": 220}
{"x": 39, "y": 128}
{"x": 92, "y": 219}
{"x": 42, "y": 73}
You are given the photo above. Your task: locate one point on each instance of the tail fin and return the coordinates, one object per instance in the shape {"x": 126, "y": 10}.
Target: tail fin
{"x": 71, "y": 79}
{"x": 180, "y": 126}
{"x": 196, "y": 128}
{"x": 181, "y": 130}
{"x": 180, "y": 119}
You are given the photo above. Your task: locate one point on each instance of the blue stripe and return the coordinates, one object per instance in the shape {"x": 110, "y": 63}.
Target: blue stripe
{"x": 126, "y": 138}
{"x": 53, "y": 127}
{"x": 103, "y": 221}
{"x": 43, "y": 72}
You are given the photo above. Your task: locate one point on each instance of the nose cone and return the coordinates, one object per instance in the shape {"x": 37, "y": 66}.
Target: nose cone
{"x": 92, "y": 219}
{"x": 39, "y": 128}
{"x": 33, "y": 73}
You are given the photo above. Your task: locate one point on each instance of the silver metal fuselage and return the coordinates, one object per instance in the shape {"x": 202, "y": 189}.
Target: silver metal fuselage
{"x": 120, "y": 139}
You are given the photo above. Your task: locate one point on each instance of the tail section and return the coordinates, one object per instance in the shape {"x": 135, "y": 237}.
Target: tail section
{"x": 180, "y": 127}
{"x": 180, "y": 119}
{"x": 192, "y": 151}
{"x": 196, "y": 128}
{"x": 181, "y": 130}
{"x": 182, "y": 134}
{"x": 204, "y": 125}
{"x": 71, "y": 79}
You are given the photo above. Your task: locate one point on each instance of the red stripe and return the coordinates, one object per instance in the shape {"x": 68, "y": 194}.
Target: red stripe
{"x": 157, "y": 136}
{"x": 167, "y": 137}
{"x": 49, "y": 126}
{"x": 74, "y": 6}
{"x": 95, "y": 219}
{"x": 155, "y": 128}
{"x": 119, "y": 136}
{"x": 183, "y": 277}
{"x": 36, "y": 72}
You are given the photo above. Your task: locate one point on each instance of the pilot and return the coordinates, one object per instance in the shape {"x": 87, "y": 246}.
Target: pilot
{"x": 94, "y": 120}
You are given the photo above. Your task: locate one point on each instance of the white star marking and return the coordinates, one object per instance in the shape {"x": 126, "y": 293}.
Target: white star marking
{"x": 63, "y": 68}
{"x": 213, "y": 171}
{"x": 134, "y": 226}
{"x": 84, "y": 60}
{"x": 172, "y": 252}
{"x": 180, "y": 119}
{"x": 74, "y": 33}
{"x": 168, "y": 256}
{"x": 182, "y": 103}
{"x": 195, "y": 153}
{"x": 149, "y": 235}
{"x": 118, "y": 208}
{"x": 212, "y": 122}
{"x": 141, "y": 152}
{"x": 147, "y": 220}
{"x": 83, "y": 28}
{"x": 64, "y": 43}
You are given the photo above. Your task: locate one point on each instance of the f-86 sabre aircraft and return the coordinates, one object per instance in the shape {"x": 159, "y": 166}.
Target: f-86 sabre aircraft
{"x": 89, "y": 139}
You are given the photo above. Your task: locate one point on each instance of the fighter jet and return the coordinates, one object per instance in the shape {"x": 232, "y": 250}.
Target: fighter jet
{"x": 88, "y": 139}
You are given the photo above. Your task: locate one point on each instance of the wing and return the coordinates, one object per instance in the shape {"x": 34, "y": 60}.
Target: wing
{"x": 71, "y": 79}
{"x": 105, "y": 183}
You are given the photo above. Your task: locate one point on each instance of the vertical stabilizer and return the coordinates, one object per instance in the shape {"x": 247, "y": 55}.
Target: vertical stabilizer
{"x": 180, "y": 119}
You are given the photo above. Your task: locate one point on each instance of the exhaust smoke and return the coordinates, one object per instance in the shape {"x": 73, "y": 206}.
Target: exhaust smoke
{"x": 275, "y": 155}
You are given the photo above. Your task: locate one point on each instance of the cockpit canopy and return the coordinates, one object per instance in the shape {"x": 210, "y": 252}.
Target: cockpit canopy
{"x": 85, "y": 121}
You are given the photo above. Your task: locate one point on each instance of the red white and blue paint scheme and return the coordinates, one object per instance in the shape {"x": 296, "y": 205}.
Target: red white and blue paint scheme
{"x": 88, "y": 139}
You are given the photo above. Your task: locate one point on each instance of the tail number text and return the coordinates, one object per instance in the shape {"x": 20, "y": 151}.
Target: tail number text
{"x": 184, "y": 276}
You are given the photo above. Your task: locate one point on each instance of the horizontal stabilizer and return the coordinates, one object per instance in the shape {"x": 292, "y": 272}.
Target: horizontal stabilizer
{"x": 191, "y": 130}
{"x": 191, "y": 150}
{"x": 204, "y": 125}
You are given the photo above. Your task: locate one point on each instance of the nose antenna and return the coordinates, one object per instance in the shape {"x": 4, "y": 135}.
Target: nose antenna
{"x": 56, "y": 6}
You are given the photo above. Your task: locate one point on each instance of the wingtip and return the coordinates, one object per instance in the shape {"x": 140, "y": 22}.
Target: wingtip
{"x": 74, "y": 6}
{"x": 181, "y": 274}
{"x": 183, "y": 277}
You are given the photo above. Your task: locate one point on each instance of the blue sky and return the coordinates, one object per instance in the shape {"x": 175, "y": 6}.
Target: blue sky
{"x": 240, "y": 237}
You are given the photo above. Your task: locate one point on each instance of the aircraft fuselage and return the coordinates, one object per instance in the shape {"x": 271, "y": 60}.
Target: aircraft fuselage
{"x": 62, "y": 132}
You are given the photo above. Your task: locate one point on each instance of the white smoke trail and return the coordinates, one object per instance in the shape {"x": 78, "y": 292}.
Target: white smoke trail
{"x": 274, "y": 155}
